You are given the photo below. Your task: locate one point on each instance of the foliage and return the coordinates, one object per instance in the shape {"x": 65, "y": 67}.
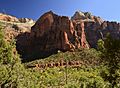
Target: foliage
{"x": 100, "y": 45}
{"x": 110, "y": 54}
{"x": 12, "y": 72}
{"x": 89, "y": 56}
{"x": 6, "y": 50}
{"x": 76, "y": 78}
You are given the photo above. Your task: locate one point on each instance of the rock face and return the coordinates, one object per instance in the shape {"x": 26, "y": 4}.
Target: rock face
{"x": 96, "y": 28}
{"x": 78, "y": 16}
{"x": 10, "y": 33}
{"x": 52, "y": 33}
{"x": 6, "y": 17}
{"x": 26, "y": 20}
{"x": 94, "y": 32}
{"x": 57, "y": 32}
{"x": 9, "y": 18}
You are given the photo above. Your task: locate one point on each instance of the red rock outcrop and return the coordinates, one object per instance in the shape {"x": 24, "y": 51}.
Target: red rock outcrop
{"x": 58, "y": 32}
{"x": 52, "y": 33}
{"x": 94, "y": 31}
{"x": 10, "y": 33}
{"x": 96, "y": 28}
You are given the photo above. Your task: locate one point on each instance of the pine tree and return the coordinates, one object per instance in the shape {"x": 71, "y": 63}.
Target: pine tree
{"x": 110, "y": 55}
{"x": 5, "y": 49}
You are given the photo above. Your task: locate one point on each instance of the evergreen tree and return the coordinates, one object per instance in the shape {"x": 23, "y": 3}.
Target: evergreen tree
{"x": 6, "y": 50}
{"x": 12, "y": 72}
{"x": 110, "y": 54}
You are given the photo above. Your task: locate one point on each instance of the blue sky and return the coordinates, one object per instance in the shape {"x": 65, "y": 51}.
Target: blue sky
{"x": 107, "y": 9}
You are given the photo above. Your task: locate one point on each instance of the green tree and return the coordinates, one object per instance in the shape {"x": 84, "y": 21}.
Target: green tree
{"x": 12, "y": 73}
{"x": 7, "y": 55}
{"x": 100, "y": 45}
{"x": 110, "y": 55}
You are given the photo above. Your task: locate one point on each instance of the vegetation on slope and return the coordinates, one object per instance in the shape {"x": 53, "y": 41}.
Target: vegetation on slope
{"x": 12, "y": 72}
{"x": 93, "y": 74}
{"x": 110, "y": 54}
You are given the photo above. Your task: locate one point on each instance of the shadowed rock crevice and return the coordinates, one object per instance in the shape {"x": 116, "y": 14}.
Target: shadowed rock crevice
{"x": 29, "y": 48}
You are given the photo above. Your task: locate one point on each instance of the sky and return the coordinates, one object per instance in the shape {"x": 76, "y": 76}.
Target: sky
{"x": 107, "y": 9}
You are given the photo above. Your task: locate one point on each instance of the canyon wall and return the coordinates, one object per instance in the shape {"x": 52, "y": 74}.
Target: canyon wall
{"x": 96, "y": 28}
{"x": 52, "y": 33}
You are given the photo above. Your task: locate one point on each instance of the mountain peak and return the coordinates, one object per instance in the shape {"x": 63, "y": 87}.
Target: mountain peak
{"x": 86, "y": 17}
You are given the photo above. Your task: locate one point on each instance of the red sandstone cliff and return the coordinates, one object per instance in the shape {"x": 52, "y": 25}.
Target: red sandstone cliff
{"x": 52, "y": 33}
{"x": 96, "y": 28}
{"x": 58, "y": 32}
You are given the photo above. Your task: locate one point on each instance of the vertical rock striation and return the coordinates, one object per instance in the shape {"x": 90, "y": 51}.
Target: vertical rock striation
{"x": 58, "y": 32}
{"x": 52, "y": 33}
{"x": 96, "y": 28}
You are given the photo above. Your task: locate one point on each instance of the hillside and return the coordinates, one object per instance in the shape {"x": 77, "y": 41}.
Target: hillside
{"x": 59, "y": 52}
